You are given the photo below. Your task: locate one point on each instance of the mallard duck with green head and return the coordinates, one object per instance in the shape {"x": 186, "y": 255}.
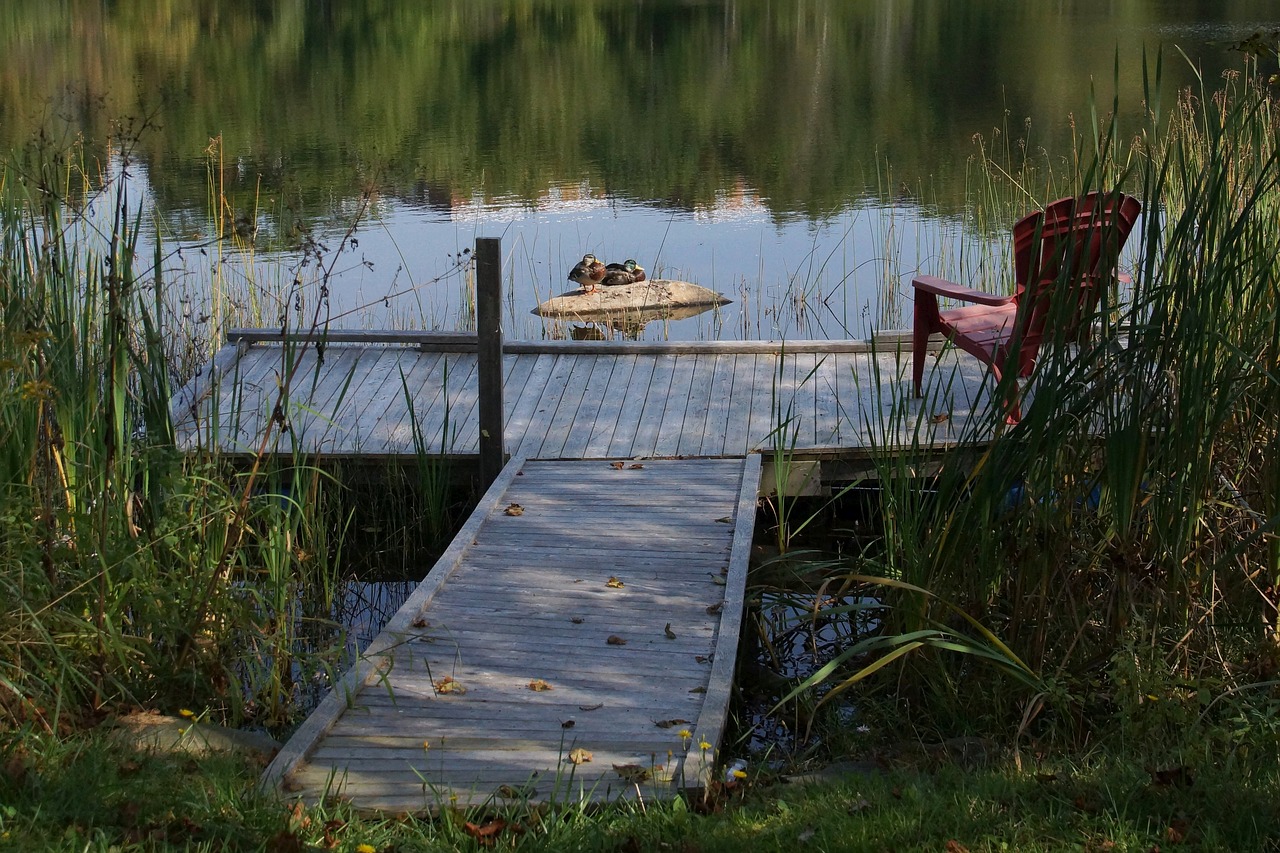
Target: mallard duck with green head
{"x": 628, "y": 272}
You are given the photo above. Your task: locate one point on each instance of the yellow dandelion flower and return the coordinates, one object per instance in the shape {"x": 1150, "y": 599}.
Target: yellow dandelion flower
{"x": 366, "y": 848}
{"x": 685, "y": 734}
{"x": 704, "y": 745}
{"x": 186, "y": 712}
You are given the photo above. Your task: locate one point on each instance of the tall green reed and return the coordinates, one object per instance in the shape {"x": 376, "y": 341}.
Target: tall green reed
{"x": 1134, "y": 506}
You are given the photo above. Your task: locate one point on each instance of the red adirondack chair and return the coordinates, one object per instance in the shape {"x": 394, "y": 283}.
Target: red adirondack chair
{"x": 1072, "y": 242}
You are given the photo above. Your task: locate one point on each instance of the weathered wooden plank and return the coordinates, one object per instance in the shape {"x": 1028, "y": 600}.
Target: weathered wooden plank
{"x": 190, "y": 405}
{"x": 611, "y": 405}
{"x": 715, "y": 706}
{"x": 587, "y": 415}
{"x": 768, "y": 395}
{"x": 515, "y": 373}
{"x": 715, "y": 423}
{"x": 456, "y": 399}
{"x": 312, "y": 401}
{"x": 655, "y": 403}
{"x": 367, "y": 403}
{"x": 464, "y": 341}
{"x": 636, "y": 392}
{"x": 680, "y": 390}
{"x": 530, "y": 394}
{"x": 411, "y": 377}
{"x": 827, "y": 401}
{"x": 331, "y": 707}
{"x": 539, "y": 423}
{"x": 688, "y": 437}
{"x": 425, "y": 384}
{"x": 562, "y": 420}
{"x": 738, "y": 418}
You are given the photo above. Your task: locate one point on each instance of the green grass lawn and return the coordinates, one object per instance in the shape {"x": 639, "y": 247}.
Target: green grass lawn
{"x": 84, "y": 793}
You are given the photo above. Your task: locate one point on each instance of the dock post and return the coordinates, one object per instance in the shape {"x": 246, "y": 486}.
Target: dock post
{"x": 489, "y": 357}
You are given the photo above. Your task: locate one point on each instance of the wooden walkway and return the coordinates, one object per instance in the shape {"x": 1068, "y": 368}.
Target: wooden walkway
{"x": 576, "y": 641}
{"x": 567, "y": 399}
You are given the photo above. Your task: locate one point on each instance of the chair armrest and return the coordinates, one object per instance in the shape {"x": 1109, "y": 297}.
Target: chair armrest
{"x": 951, "y": 290}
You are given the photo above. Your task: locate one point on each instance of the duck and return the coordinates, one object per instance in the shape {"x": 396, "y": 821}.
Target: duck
{"x": 587, "y": 272}
{"x": 625, "y": 273}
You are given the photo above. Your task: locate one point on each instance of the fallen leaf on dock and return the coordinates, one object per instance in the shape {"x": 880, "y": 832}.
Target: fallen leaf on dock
{"x": 568, "y": 724}
{"x": 538, "y": 685}
{"x": 615, "y": 640}
{"x": 420, "y": 623}
{"x": 728, "y": 519}
{"x": 698, "y": 690}
{"x": 595, "y": 707}
{"x": 635, "y": 467}
{"x": 614, "y": 583}
{"x": 671, "y": 635}
{"x": 577, "y": 620}
{"x": 448, "y": 685}
{"x": 667, "y": 724}
{"x": 631, "y": 772}
{"x": 718, "y": 581}
{"x": 941, "y": 417}
{"x": 580, "y": 756}
{"x": 714, "y": 609}
{"x": 514, "y": 509}
{"x": 617, "y": 466}
{"x": 702, "y": 658}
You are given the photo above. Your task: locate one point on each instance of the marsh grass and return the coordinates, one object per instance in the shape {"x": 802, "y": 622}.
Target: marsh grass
{"x": 1105, "y": 569}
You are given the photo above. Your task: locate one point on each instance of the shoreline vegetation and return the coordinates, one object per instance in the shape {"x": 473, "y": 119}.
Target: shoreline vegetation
{"x": 1067, "y": 639}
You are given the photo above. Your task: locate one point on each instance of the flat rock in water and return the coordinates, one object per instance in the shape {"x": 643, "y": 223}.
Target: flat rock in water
{"x": 648, "y": 297}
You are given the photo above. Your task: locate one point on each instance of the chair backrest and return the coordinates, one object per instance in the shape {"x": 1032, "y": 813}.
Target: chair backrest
{"x": 1073, "y": 242}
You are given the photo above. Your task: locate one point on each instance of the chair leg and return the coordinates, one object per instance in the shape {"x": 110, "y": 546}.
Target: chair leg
{"x": 921, "y": 328}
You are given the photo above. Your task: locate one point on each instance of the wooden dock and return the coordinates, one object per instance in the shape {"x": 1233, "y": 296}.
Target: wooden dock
{"x": 576, "y": 642}
{"x": 378, "y": 394}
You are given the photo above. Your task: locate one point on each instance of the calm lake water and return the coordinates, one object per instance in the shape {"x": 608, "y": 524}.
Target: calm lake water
{"x": 745, "y": 146}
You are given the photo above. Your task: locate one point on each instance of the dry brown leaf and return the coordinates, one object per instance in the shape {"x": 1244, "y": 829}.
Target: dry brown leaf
{"x": 538, "y": 685}
{"x": 331, "y": 830}
{"x": 485, "y": 833}
{"x": 714, "y": 609}
{"x": 954, "y": 846}
{"x": 698, "y": 690}
{"x": 671, "y": 635}
{"x": 718, "y": 581}
{"x": 1177, "y": 830}
{"x": 941, "y": 417}
{"x": 615, "y": 640}
{"x": 514, "y": 509}
{"x": 577, "y": 620}
{"x": 635, "y": 467}
{"x": 631, "y": 772}
{"x": 595, "y": 707}
{"x": 580, "y": 756}
{"x": 728, "y": 519}
{"x": 420, "y": 623}
{"x": 448, "y": 685}
{"x": 617, "y": 466}
{"x": 614, "y": 583}
{"x": 568, "y": 724}
{"x": 667, "y": 724}
{"x": 702, "y": 658}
